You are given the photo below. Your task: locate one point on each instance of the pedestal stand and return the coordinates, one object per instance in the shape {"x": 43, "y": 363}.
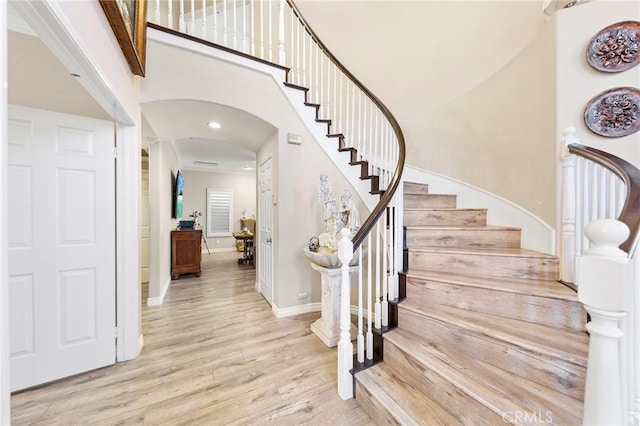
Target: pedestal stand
{"x": 327, "y": 327}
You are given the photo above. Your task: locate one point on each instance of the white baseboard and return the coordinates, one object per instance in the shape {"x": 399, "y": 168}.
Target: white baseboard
{"x": 296, "y": 310}
{"x": 157, "y": 301}
{"x": 220, "y": 250}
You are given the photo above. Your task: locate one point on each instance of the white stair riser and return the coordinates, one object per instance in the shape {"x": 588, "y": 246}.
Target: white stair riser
{"x": 542, "y": 268}
{"x": 463, "y": 237}
{"x": 569, "y": 315}
{"x": 559, "y": 374}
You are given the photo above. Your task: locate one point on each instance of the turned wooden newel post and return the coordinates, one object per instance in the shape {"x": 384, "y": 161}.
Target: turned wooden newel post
{"x": 345, "y": 347}
{"x": 601, "y": 275}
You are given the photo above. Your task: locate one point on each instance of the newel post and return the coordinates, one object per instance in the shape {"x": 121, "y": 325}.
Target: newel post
{"x": 568, "y": 202}
{"x": 601, "y": 275}
{"x": 345, "y": 347}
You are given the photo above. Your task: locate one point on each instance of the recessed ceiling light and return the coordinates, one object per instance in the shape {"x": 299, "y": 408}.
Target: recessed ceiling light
{"x": 213, "y": 125}
{"x": 247, "y": 168}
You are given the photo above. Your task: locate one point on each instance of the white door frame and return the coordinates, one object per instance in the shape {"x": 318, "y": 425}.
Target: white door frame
{"x": 49, "y": 21}
{"x": 5, "y": 396}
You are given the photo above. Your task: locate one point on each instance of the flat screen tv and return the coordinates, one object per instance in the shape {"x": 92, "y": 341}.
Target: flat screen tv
{"x": 178, "y": 193}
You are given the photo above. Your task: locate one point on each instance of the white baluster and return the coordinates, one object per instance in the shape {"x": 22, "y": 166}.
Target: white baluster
{"x": 262, "y": 30}
{"x": 377, "y": 305}
{"x": 234, "y": 35}
{"x": 252, "y": 37}
{"x": 157, "y": 14}
{"x": 204, "y": 19}
{"x": 345, "y": 347}
{"x": 297, "y": 56}
{"x": 170, "y": 15}
{"x": 568, "y": 215}
{"x": 391, "y": 228}
{"x": 385, "y": 289}
{"x": 303, "y": 69}
{"x": 282, "y": 57}
{"x": 193, "y": 18}
{"x": 601, "y": 274}
{"x": 360, "y": 340}
{"x": 225, "y": 29}
{"x": 270, "y": 32}
{"x": 215, "y": 21}
{"x": 181, "y": 23}
{"x": 369, "y": 297}
{"x": 292, "y": 73}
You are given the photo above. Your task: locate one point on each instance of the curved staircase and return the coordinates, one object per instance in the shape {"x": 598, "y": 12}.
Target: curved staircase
{"x": 486, "y": 333}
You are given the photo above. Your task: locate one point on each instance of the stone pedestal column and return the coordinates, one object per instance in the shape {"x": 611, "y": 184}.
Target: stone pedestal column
{"x": 327, "y": 327}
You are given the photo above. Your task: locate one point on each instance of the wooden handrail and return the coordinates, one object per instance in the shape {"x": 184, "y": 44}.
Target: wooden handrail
{"x": 630, "y": 175}
{"x": 390, "y": 191}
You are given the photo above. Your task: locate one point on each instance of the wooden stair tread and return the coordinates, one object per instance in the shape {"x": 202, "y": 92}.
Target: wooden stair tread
{"x": 485, "y": 251}
{"x": 555, "y": 342}
{"x": 533, "y": 287}
{"x": 497, "y": 389}
{"x": 400, "y": 399}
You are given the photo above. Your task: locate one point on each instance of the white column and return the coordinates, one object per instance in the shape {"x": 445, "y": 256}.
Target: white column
{"x": 601, "y": 275}
{"x": 568, "y": 215}
{"x": 345, "y": 347}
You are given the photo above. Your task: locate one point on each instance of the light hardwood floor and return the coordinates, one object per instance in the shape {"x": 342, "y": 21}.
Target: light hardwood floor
{"x": 214, "y": 354}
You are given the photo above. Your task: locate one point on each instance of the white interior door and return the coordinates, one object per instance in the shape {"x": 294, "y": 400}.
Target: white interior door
{"x": 265, "y": 223}
{"x": 61, "y": 213}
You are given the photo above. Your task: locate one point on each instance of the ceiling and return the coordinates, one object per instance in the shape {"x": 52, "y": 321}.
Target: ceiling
{"x": 38, "y": 79}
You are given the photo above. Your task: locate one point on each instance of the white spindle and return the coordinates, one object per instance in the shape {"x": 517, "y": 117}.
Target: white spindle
{"x": 252, "y": 28}
{"x": 298, "y": 55}
{"x": 360, "y": 340}
{"x": 204, "y": 19}
{"x": 157, "y": 14}
{"x": 225, "y": 28}
{"x": 345, "y": 347}
{"x": 369, "y": 297}
{"x": 193, "y": 18}
{"x": 303, "y": 69}
{"x": 261, "y": 31}
{"x": 378, "y": 307}
{"x": 215, "y": 21}
{"x": 170, "y": 15}
{"x": 244, "y": 26}
{"x": 181, "y": 22}
{"x": 601, "y": 274}
{"x": 234, "y": 34}
{"x": 270, "y": 32}
{"x": 568, "y": 215}
{"x": 385, "y": 287}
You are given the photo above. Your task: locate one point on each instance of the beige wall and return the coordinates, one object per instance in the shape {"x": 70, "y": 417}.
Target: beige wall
{"x": 470, "y": 82}
{"x": 195, "y": 198}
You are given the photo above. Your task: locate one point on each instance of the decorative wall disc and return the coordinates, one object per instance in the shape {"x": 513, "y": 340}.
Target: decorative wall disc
{"x": 616, "y": 47}
{"x": 614, "y": 113}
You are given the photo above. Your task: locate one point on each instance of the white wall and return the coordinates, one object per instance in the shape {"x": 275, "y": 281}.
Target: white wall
{"x": 578, "y": 82}
{"x": 297, "y": 167}
{"x": 195, "y": 198}
{"x": 163, "y": 167}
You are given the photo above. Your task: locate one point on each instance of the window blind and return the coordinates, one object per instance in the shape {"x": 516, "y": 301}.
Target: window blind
{"x": 219, "y": 208}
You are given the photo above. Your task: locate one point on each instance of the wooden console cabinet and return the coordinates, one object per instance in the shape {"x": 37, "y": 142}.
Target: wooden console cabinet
{"x": 186, "y": 252}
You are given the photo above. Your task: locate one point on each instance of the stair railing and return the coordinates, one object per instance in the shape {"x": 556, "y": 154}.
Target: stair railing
{"x": 601, "y": 196}
{"x": 275, "y": 31}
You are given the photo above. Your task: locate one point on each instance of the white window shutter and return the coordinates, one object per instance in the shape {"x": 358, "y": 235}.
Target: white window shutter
{"x": 219, "y": 209}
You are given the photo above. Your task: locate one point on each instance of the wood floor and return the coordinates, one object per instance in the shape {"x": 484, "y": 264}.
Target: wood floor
{"x": 214, "y": 354}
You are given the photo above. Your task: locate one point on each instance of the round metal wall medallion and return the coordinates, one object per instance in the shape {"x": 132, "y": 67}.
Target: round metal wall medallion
{"x": 616, "y": 47}
{"x": 614, "y": 113}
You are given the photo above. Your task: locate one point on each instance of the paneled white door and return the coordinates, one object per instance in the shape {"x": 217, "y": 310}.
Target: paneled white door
{"x": 265, "y": 223}
{"x": 61, "y": 213}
